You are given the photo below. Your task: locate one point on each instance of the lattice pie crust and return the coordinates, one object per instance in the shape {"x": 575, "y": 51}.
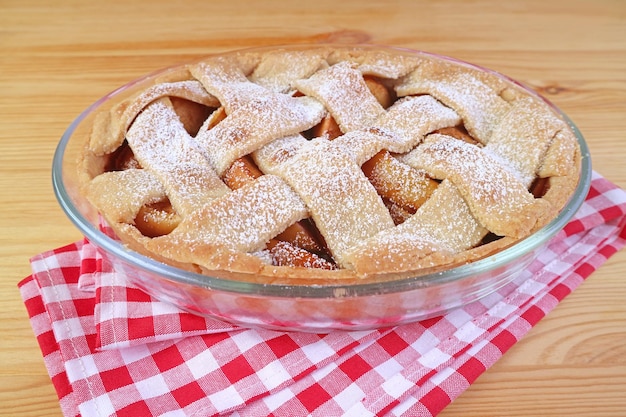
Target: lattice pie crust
{"x": 318, "y": 164}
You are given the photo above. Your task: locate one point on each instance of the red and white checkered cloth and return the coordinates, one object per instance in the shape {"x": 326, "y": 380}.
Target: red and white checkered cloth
{"x": 110, "y": 349}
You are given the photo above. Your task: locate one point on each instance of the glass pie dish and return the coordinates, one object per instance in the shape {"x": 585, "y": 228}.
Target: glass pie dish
{"x": 313, "y": 307}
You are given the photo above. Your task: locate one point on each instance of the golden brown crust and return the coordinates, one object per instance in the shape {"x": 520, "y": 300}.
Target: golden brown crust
{"x": 315, "y": 122}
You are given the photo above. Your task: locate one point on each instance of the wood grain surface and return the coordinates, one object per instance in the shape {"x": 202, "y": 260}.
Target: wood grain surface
{"x": 57, "y": 57}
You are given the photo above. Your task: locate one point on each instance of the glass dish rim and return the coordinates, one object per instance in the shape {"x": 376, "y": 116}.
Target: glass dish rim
{"x": 168, "y": 272}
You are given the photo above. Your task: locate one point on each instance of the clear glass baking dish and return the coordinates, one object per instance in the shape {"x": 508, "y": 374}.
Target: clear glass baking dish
{"x": 312, "y": 308}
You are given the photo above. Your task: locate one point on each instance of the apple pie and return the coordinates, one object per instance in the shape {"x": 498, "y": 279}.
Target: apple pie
{"x": 326, "y": 164}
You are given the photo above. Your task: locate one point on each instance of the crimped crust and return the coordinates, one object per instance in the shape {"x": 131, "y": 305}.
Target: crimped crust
{"x": 388, "y": 164}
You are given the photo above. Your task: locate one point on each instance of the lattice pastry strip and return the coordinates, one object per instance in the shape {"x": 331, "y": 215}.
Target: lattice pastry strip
{"x": 521, "y": 139}
{"x": 243, "y": 220}
{"x": 381, "y": 64}
{"x": 110, "y": 127}
{"x": 442, "y": 227}
{"x": 255, "y": 115}
{"x": 495, "y": 196}
{"x": 399, "y": 129}
{"x": 560, "y": 157}
{"x": 480, "y": 110}
{"x": 276, "y": 71}
{"x": 122, "y": 194}
{"x": 343, "y": 91}
{"x": 162, "y": 145}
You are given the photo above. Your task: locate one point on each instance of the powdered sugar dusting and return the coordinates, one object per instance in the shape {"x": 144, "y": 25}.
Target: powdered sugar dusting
{"x": 559, "y": 159}
{"x": 386, "y": 65}
{"x": 278, "y": 152}
{"x": 399, "y": 129}
{"x": 412, "y": 118}
{"x": 341, "y": 201}
{"x": 494, "y": 195}
{"x": 477, "y": 103}
{"x": 246, "y": 218}
{"x": 522, "y": 138}
{"x": 255, "y": 117}
{"x": 162, "y": 145}
{"x": 444, "y": 224}
{"x": 120, "y": 194}
{"x": 277, "y": 72}
{"x": 345, "y": 94}
{"x": 190, "y": 90}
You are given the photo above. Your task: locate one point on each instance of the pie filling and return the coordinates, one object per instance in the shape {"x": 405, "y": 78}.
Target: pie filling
{"x": 328, "y": 163}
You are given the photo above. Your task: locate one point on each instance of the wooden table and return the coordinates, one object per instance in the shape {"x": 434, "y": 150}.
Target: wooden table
{"x": 56, "y": 57}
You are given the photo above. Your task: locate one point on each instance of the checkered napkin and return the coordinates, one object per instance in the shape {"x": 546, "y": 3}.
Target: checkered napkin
{"x": 110, "y": 349}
